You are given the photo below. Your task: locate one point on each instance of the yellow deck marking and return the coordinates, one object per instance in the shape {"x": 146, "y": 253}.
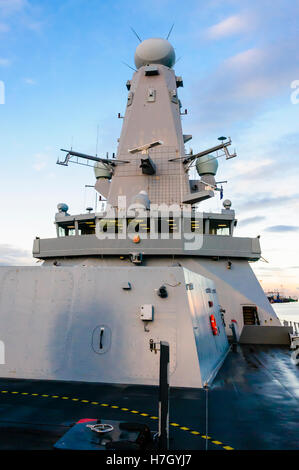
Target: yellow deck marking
{"x": 183, "y": 428}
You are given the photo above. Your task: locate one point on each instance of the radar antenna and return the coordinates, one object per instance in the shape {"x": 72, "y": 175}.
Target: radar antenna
{"x": 170, "y": 31}
{"x": 132, "y": 29}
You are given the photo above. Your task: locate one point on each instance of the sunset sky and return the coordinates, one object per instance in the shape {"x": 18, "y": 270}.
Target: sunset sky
{"x": 62, "y": 65}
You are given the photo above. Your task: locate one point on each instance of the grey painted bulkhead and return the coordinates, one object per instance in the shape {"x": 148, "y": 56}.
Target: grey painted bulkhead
{"x": 51, "y": 321}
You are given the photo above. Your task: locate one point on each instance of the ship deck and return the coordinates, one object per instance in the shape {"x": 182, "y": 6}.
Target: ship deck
{"x": 252, "y": 405}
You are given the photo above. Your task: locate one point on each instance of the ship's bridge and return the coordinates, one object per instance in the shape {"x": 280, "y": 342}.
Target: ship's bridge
{"x": 85, "y": 224}
{"x": 200, "y": 234}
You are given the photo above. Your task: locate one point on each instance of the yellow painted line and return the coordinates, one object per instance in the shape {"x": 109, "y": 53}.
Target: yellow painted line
{"x": 183, "y": 428}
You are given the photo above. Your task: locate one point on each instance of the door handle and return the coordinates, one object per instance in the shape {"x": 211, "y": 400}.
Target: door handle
{"x": 101, "y": 337}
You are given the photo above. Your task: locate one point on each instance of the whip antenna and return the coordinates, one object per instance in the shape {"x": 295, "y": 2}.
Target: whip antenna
{"x": 135, "y": 34}
{"x": 170, "y": 31}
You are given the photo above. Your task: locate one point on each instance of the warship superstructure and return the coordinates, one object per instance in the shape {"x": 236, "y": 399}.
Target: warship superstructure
{"x": 149, "y": 267}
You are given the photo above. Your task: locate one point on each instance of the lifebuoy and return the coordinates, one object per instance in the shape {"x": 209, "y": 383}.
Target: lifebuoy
{"x": 214, "y": 325}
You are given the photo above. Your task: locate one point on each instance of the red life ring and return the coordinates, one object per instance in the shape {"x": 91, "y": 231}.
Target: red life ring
{"x": 214, "y": 325}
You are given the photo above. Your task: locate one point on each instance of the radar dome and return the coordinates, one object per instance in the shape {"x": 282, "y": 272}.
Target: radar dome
{"x": 207, "y": 165}
{"x": 154, "y": 51}
{"x": 101, "y": 170}
{"x": 62, "y": 207}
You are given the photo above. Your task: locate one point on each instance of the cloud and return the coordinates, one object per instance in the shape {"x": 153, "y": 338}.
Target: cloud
{"x": 5, "y": 62}
{"x": 282, "y": 228}
{"x": 8, "y": 7}
{"x": 13, "y": 256}
{"x": 263, "y": 200}
{"x": 232, "y": 25}
{"x": 243, "y": 83}
{"x": 29, "y": 81}
{"x": 40, "y": 161}
{"x": 4, "y": 28}
{"x": 251, "y": 220}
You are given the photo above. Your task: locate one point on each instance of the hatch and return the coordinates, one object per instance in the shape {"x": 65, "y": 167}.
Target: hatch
{"x": 250, "y": 315}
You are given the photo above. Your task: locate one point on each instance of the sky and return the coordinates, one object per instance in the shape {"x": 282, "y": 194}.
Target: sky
{"x": 62, "y": 83}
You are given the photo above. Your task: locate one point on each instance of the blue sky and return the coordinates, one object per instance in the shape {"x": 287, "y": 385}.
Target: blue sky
{"x": 62, "y": 65}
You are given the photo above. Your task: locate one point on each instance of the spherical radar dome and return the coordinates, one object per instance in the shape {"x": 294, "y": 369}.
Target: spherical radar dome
{"x": 154, "y": 51}
{"x": 206, "y": 165}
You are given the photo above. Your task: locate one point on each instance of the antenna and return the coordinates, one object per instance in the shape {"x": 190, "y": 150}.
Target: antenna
{"x": 135, "y": 34}
{"x": 125, "y": 63}
{"x": 170, "y": 31}
{"x": 97, "y": 142}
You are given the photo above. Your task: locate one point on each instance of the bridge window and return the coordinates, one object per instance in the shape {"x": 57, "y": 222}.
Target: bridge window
{"x": 66, "y": 230}
{"x": 219, "y": 227}
{"x": 86, "y": 227}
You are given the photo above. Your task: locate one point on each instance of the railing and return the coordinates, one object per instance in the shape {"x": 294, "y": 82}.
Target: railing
{"x": 293, "y": 324}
